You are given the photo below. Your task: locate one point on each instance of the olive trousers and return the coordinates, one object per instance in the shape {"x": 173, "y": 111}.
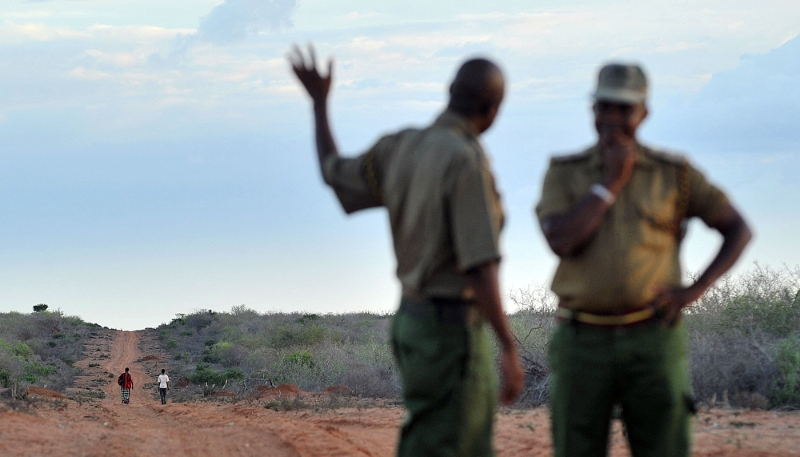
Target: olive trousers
{"x": 644, "y": 369}
{"x": 449, "y": 385}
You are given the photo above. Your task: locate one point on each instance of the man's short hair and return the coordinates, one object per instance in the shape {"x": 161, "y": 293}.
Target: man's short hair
{"x": 469, "y": 92}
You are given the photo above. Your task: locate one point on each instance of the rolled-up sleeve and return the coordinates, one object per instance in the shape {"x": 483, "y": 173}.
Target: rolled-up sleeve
{"x": 556, "y": 198}
{"x": 348, "y": 177}
{"x": 705, "y": 199}
{"x": 474, "y": 217}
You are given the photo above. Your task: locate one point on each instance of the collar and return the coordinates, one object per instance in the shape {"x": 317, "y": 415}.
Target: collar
{"x": 643, "y": 158}
{"x": 451, "y": 120}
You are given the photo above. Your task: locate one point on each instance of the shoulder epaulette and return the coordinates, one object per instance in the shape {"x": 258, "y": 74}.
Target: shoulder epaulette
{"x": 672, "y": 158}
{"x": 570, "y": 158}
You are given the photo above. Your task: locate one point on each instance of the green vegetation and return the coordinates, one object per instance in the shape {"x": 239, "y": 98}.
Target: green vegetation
{"x": 744, "y": 340}
{"x": 40, "y": 348}
{"x": 310, "y": 350}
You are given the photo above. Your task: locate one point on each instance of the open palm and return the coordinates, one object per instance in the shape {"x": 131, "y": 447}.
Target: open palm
{"x": 317, "y": 85}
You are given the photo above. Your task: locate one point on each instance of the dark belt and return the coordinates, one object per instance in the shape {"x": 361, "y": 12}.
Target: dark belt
{"x": 446, "y": 310}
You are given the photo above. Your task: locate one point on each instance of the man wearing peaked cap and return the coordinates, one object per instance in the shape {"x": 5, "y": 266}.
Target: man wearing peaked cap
{"x": 615, "y": 215}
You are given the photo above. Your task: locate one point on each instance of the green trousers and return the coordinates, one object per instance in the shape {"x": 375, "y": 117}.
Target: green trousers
{"x": 449, "y": 386}
{"x": 644, "y": 369}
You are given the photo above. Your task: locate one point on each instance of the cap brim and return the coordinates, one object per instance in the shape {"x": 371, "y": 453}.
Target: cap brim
{"x": 632, "y": 97}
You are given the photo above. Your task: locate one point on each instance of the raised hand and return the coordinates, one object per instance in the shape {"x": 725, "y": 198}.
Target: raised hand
{"x": 317, "y": 85}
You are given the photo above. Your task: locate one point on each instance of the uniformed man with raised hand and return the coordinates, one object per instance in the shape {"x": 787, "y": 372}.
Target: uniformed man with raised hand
{"x": 445, "y": 218}
{"x": 615, "y": 214}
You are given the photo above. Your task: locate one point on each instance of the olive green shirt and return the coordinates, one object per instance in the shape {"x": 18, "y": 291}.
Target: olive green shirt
{"x": 444, "y": 209}
{"x": 636, "y": 246}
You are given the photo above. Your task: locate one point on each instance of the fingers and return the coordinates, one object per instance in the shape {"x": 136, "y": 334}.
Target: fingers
{"x": 295, "y": 57}
{"x": 312, "y": 55}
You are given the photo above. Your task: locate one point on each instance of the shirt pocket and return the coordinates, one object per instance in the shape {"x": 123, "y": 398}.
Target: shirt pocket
{"x": 656, "y": 222}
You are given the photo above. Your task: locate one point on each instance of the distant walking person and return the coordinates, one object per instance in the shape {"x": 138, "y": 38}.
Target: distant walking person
{"x": 446, "y": 217}
{"x": 125, "y": 382}
{"x": 163, "y": 386}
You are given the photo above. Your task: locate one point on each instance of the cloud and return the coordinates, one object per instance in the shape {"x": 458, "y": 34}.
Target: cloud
{"x": 89, "y": 74}
{"x": 39, "y": 32}
{"x": 754, "y": 106}
{"x": 236, "y": 20}
{"x": 231, "y": 22}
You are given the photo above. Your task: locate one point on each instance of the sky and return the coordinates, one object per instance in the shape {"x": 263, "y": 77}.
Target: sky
{"x": 157, "y": 157}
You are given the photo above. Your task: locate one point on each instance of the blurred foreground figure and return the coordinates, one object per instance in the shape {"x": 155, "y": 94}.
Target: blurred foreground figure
{"x": 616, "y": 214}
{"x": 446, "y": 218}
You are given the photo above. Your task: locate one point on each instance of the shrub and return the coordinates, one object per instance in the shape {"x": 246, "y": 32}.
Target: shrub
{"x": 787, "y": 356}
{"x": 305, "y": 335}
{"x": 299, "y": 358}
{"x": 205, "y": 374}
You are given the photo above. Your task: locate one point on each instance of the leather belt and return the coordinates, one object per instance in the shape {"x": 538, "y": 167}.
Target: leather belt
{"x": 600, "y": 320}
{"x": 446, "y": 310}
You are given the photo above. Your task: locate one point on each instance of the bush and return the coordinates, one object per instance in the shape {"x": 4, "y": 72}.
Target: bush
{"x": 299, "y": 358}
{"x": 787, "y": 356}
{"x": 205, "y": 374}
{"x": 39, "y": 348}
{"x": 5, "y": 378}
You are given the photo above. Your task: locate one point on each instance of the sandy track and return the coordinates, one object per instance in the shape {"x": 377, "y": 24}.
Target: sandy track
{"x": 145, "y": 427}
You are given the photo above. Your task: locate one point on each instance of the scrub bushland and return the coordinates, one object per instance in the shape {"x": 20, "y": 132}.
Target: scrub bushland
{"x": 744, "y": 345}
{"x": 744, "y": 340}
{"x": 39, "y": 349}
{"x": 243, "y": 349}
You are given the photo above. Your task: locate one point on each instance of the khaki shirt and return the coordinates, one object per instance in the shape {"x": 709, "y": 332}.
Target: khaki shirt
{"x": 636, "y": 246}
{"x": 444, "y": 209}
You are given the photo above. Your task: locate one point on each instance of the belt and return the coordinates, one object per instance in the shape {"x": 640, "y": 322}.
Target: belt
{"x": 446, "y": 310}
{"x": 599, "y": 320}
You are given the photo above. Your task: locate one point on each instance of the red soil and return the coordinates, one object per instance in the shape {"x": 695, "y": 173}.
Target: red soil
{"x": 106, "y": 427}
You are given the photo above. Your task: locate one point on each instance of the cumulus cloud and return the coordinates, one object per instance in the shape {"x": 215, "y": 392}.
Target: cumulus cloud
{"x": 231, "y": 22}
{"x": 236, "y": 20}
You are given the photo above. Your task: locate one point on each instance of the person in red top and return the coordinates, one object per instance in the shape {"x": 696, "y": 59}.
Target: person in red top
{"x": 125, "y": 382}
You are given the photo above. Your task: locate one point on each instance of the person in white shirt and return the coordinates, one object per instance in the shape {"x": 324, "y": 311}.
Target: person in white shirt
{"x": 163, "y": 386}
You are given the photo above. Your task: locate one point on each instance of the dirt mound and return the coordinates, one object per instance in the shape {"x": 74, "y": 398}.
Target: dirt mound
{"x": 280, "y": 391}
{"x": 183, "y": 382}
{"x": 44, "y": 392}
{"x": 287, "y": 389}
{"x": 341, "y": 391}
{"x": 148, "y": 358}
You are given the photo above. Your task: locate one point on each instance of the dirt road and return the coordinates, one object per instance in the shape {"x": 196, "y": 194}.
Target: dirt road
{"x": 145, "y": 427}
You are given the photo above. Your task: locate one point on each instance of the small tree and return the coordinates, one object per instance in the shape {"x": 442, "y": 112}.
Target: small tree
{"x": 39, "y": 308}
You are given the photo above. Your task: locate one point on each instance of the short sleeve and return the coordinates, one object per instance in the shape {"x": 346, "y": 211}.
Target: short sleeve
{"x": 348, "y": 176}
{"x": 475, "y": 215}
{"x": 555, "y": 198}
{"x": 705, "y": 199}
